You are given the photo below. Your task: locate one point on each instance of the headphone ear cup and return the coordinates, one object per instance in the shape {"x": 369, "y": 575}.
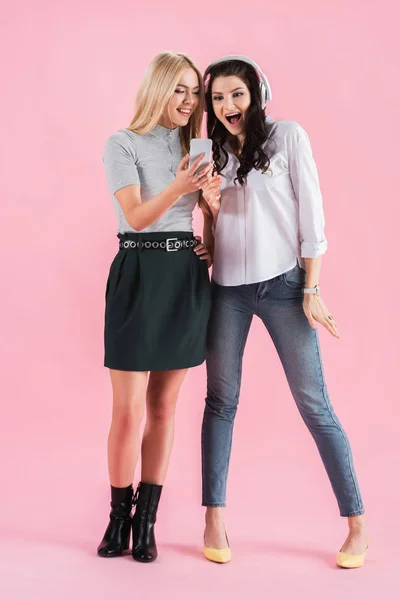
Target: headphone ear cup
{"x": 263, "y": 95}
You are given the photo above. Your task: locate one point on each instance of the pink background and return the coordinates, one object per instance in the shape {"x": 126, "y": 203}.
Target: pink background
{"x": 70, "y": 75}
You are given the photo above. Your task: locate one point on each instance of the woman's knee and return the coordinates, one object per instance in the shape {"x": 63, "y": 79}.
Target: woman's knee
{"x": 316, "y": 410}
{"x": 127, "y": 415}
{"x": 222, "y": 404}
{"x": 162, "y": 410}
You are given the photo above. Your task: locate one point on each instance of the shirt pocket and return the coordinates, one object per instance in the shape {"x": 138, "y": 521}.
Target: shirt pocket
{"x": 277, "y": 174}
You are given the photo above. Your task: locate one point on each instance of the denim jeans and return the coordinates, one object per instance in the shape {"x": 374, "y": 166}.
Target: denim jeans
{"x": 278, "y": 303}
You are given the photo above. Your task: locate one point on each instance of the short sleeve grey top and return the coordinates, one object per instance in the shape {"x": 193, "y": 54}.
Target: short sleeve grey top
{"x": 151, "y": 161}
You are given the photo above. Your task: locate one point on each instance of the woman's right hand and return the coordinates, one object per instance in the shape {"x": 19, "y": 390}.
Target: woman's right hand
{"x": 211, "y": 194}
{"x": 186, "y": 181}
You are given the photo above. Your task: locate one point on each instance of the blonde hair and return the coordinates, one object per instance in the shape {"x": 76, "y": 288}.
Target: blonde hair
{"x": 155, "y": 91}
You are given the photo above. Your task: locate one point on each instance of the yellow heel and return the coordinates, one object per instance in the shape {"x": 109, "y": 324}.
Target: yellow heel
{"x": 218, "y": 556}
{"x": 351, "y": 561}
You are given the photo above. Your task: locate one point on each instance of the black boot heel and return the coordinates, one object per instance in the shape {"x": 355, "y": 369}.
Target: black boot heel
{"x": 147, "y": 498}
{"x": 117, "y": 536}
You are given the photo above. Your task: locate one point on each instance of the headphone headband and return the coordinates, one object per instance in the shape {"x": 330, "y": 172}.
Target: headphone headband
{"x": 265, "y": 88}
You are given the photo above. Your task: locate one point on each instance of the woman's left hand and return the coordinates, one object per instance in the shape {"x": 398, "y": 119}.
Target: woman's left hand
{"x": 315, "y": 310}
{"x": 202, "y": 252}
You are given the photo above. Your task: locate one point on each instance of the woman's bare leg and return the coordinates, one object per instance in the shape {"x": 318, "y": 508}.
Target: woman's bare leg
{"x": 129, "y": 392}
{"x": 357, "y": 539}
{"x": 214, "y": 533}
{"x": 162, "y": 394}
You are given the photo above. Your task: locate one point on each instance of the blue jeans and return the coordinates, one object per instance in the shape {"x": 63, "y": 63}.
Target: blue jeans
{"x": 278, "y": 303}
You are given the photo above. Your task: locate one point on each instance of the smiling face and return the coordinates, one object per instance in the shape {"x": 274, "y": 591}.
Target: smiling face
{"x": 183, "y": 102}
{"x": 231, "y": 99}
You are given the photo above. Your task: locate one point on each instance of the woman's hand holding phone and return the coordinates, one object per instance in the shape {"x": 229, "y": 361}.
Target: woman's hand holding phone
{"x": 187, "y": 180}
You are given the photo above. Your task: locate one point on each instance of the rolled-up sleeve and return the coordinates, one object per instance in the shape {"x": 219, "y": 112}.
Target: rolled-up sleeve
{"x": 305, "y": 182}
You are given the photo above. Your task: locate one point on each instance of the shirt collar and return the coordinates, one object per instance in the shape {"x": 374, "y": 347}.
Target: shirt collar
{"x": 164, "y": 133}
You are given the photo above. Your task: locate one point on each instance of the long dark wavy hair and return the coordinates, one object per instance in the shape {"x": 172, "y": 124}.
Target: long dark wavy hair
{"x": 254, "y": 152}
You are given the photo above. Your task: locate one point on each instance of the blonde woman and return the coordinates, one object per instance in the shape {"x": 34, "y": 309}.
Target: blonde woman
{"x": 158, "y": 294}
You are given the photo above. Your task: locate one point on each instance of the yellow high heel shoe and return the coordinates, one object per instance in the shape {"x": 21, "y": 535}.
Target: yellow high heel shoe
{"x": 351, "y": 561}
{"x": 219, "y": 556}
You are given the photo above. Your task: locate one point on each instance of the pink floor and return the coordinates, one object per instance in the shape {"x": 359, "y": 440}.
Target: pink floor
{"x": 269, "y": 562}
{"x": 283, "y": 530}
{"x": 282, "y": 517}
{"x": 69, "y": 569}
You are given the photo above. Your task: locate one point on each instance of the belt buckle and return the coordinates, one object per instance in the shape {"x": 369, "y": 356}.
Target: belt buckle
{"x": 170, "y": 248}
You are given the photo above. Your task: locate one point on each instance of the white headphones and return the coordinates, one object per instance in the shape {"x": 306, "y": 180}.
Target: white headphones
{"x": 265, "y": 88}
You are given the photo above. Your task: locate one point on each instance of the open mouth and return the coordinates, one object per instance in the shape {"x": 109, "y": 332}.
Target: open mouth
{"x": 184, "y": 111}
{"x": 234, "y": 118}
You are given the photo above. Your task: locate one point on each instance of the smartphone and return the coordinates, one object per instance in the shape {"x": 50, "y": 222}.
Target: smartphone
{"x": 199, "y": 146}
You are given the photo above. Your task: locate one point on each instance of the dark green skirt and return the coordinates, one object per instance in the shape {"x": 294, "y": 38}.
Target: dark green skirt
{"x": 157, "y": 307}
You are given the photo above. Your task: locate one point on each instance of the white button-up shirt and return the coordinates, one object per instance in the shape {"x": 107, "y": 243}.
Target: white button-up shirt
{"x": 276, "y": 218}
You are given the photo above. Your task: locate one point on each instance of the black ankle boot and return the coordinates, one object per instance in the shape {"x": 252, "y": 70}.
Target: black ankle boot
{"x": 116, "y": 537}
{"x": 144, "y": 547}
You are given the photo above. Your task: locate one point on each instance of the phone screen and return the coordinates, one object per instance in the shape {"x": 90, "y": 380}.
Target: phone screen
{"x": 199, "y": 146}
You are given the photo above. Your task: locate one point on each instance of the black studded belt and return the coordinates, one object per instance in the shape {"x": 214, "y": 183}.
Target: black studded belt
{"x": 168, "y": 245}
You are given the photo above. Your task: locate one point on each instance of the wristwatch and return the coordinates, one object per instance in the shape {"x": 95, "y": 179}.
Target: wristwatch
{"x": 314, "y": 290}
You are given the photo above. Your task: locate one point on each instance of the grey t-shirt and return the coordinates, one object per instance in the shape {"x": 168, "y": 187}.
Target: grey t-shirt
{"x": 151, "y": 161}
